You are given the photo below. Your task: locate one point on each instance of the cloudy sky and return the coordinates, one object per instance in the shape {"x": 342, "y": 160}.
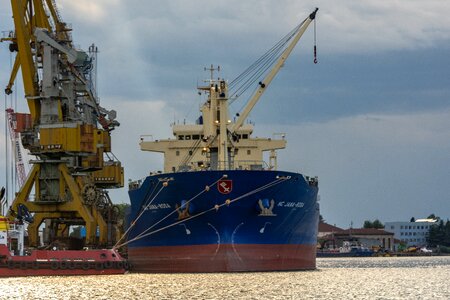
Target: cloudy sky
{"x": 371, "y": 119}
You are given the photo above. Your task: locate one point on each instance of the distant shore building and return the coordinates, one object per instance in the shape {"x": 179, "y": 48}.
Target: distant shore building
{"x": 411, "y": 233}
{"x": 369, "y": 237}
{"x": 332, "y": 237}
{"x": 327, "y": 229}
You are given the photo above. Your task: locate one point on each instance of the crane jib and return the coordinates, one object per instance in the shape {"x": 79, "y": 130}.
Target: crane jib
{"x": 312, "y": 16}
{"x": 277, "y": 64}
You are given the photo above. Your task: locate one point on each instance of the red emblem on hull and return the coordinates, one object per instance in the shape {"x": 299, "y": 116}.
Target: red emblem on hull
{"x": 224, "y": 186}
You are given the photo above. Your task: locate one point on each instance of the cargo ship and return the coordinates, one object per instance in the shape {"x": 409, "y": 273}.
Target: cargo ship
{"x": 217, "y": 206}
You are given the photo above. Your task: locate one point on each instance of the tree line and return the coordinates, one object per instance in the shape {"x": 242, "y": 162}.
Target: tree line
{"x": 439, "y": 234}
{"x": 373, "y": 224}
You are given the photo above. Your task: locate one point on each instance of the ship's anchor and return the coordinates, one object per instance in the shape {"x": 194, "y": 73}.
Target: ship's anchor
{"x": 265, "y": 209}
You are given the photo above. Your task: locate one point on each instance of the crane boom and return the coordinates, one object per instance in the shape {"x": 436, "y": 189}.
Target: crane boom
{"x": 269, "y": 77}
{"x": 25, "y": 54}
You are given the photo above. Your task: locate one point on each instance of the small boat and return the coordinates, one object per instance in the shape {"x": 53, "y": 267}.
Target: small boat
{"x": 348, "y": 249}
{"x": 16, "y": 260}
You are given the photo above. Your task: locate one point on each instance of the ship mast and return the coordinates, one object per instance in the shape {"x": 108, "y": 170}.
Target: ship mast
{"x": 223, "y": 122}
{"x": 217, "y": 108}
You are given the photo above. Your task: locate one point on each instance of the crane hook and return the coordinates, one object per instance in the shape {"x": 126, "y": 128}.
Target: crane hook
{"x": 315, "y": 54}
{"x": 315, "y": 42}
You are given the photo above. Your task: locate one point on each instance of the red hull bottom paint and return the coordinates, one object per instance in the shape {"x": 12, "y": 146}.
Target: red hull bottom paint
{"x": 223, "y": 258}
{"x": 62, "y": 262}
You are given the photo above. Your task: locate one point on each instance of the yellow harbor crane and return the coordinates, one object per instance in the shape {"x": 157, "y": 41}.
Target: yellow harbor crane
{"x": 70, "y": 133}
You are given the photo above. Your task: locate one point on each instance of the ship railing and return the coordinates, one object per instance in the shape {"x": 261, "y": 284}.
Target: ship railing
{"x": 146, "y": 138}
{"x": 134, "y": 184}
{"x": 251, "y": 165}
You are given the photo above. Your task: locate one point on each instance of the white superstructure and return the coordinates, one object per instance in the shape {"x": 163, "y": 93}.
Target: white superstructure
{"x": 209, "y": 144}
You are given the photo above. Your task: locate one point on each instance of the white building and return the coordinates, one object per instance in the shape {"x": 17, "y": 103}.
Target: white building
{"x": 411, "y": 233}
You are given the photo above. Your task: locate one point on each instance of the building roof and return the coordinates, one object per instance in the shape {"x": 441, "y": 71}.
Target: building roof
{"x": 363, "y": 231}
{"x": 325, "y": 227}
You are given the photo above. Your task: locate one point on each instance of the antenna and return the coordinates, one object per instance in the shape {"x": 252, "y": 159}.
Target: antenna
{"x": 212, "y": 69}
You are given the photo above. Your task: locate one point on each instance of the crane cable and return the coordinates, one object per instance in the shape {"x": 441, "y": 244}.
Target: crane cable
{"x": 215, "y": 207}
{"x": 255, "y": 71}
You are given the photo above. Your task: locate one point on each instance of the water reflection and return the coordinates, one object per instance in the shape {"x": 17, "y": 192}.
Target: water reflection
{"x": 336, "y": 278}
{"x": 384, "y": 262}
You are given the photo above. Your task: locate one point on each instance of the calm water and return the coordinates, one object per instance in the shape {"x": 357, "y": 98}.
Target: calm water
{"x": 336, "y": 278}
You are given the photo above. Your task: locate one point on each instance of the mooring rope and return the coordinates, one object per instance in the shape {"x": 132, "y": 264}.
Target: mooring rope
{"x": 142, "y": 212}
{"x": 206, "y": 189}
{"x": 215, "y": 207}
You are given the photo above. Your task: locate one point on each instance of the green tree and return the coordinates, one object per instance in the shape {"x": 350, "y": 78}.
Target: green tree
{"x": 321, "y": 219}
{"x": 446, "y": 241}
{"x": 368, "y": 224}
{"x": 439, "y": 234}
{"x": 377, "y": 224}
{"x": 121, "y": 210}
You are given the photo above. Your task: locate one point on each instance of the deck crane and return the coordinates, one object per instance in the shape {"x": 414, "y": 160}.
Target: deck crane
{"x": 231, "y": 130}
{"x": 271, "y": 75}
{"x": 70, "y": 133}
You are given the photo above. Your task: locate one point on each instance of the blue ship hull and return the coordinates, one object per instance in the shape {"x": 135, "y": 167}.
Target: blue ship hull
{"x": 216, "y": 221}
